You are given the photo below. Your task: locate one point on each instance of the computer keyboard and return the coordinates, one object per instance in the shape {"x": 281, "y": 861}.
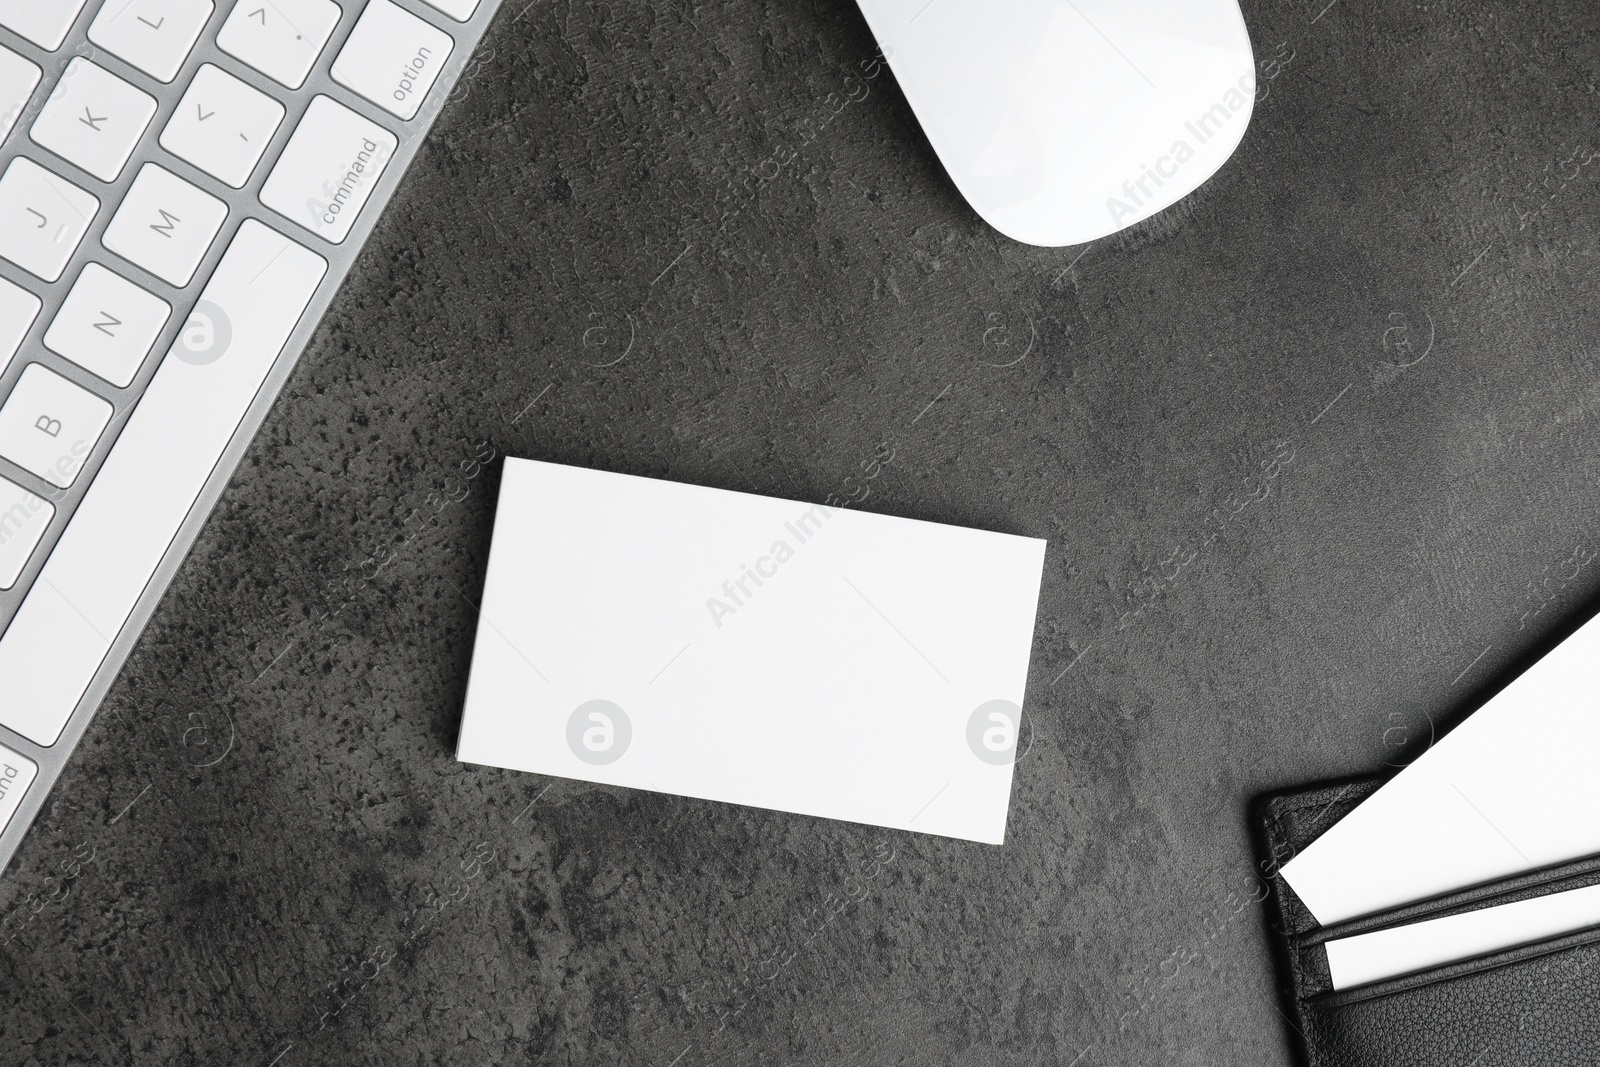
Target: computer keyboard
{"x": 183, "y": 186}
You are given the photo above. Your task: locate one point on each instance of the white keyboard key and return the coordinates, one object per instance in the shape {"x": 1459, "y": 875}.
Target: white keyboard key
{"x": 16, "y": 775}
{"x": 107, "y": 325}
{"x": 165, "y": 225}
{"x": 93, "y": 119}
{"x": 280, "y": 38}
{"x": 48, "y": 425}
{"x": 18, "y": 308}
{"x": 222, "y": 126}
{"x": 23, "y": 518}
{"x": 42, "y": 218}
{"x": 17, "y": 79}
{"x": 392, "y": 58}
{"x": 328, "y": 169}
{"x": 150, "y": 480}
{"x": 153, "y": 35}
{"x": 460, "y": 10}
{"x": 44, "y": 22}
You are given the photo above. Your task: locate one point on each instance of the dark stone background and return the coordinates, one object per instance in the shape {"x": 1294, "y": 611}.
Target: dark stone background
{"x": 1246, "y": 587}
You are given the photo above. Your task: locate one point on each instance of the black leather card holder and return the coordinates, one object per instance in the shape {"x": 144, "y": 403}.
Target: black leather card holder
{"x": 1529, "y": 1006}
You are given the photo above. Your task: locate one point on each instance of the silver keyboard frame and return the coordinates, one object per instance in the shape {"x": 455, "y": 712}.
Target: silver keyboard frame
{"x": 242, "y": 204}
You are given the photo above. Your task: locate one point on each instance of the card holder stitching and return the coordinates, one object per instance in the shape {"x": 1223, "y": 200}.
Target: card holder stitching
{"x": 1297, "y": 806}
{"x": 1272, "y": 812}
{"x": 1545, "y": 881}
{"x": 1585, "y": 872}
{"x": 1271, "y": 815}
{"x": 1518, "y": 955}
{"x": 1301, "y": 801}
{"x": 1460, "y": 903}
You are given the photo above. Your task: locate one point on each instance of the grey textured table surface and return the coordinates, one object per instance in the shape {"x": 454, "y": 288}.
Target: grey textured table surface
{"x": 1314, "y": 451}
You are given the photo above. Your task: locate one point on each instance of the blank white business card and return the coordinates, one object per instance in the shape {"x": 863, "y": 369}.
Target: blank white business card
{"x": 753, "y": 650}
{"x": 1510, "y": 790}
{"x": 1366, "y": 958}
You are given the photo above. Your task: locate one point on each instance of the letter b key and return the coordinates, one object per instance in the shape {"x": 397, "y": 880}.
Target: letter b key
{"x": 49, "y": 424}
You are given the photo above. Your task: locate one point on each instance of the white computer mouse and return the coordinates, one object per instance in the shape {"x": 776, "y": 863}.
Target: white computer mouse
{"x": 1065, "y": 120}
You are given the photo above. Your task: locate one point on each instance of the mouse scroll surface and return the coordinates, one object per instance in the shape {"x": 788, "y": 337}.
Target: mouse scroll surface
{"x": 1062, "y": 121}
